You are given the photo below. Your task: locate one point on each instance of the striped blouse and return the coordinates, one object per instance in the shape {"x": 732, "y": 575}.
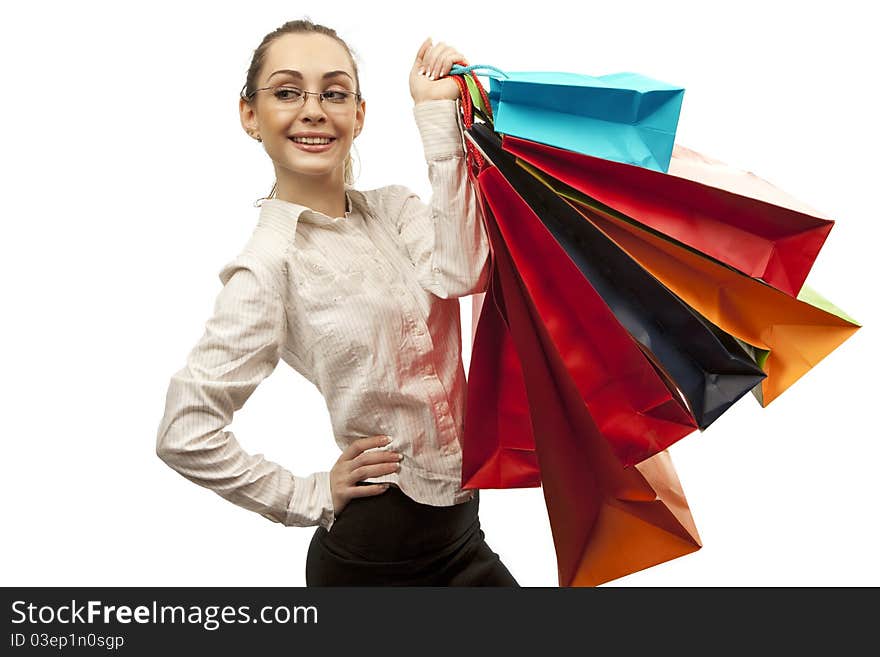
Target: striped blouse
{"x": 365, "y": 306}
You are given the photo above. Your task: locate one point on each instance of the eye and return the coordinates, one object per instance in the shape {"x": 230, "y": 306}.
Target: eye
{"x": 288, "y": 93}
{"x": 335, "y": 96}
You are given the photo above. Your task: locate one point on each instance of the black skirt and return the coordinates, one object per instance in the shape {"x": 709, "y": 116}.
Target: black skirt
{"x": 391, "y": 540}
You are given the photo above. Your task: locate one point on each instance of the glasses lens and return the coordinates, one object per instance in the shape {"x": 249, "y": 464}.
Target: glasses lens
{"x": 336, "y": 97}
{"x": 288, "y": 95}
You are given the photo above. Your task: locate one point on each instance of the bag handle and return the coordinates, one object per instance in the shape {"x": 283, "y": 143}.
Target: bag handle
{"x": 477, "y": 96}
{"x": 458, "y": 69}
{"x": 473, "y": 93}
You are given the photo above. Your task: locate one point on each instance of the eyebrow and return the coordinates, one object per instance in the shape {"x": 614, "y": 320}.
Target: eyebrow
{"x": 297, "y": 74}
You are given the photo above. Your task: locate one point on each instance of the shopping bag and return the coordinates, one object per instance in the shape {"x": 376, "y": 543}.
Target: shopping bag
{"x": 797, "y": 332}
{"x": 498, "y": 449}
{"x": 699, "y": 167}
{"x": 624, "y": 117}
{"x": 708, "y": 366}
{"x": 756, "y": 236}
{"x": 607, "y": 520}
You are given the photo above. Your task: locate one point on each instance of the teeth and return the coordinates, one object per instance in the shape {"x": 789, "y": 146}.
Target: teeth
{"x": 312, "y": 140}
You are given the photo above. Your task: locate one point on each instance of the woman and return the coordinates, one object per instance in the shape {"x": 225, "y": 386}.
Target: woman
{"x": 358, "y": 291}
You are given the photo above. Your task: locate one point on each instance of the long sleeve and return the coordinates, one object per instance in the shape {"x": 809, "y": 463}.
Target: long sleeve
{"x": 446, "y": 239}
{"x": 241, "y": 346}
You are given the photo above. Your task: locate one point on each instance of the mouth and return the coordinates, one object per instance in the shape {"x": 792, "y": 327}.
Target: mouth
{"x": 313, "y": 148}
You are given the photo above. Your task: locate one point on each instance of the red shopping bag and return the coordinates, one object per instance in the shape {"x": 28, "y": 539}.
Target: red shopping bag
{"x": 761, "y": 239}
{"x": 498, "y": 448}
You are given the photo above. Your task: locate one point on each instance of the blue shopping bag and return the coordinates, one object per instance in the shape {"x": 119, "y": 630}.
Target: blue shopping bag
{"x": 624, "y": 117}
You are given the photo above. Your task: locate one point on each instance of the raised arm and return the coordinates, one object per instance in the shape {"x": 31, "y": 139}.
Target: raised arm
{"x": 241, "y": 346}
{"x": 445, "y": 238}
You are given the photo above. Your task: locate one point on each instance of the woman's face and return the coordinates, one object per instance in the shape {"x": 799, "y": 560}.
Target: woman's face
{"x": 312, "y": 56}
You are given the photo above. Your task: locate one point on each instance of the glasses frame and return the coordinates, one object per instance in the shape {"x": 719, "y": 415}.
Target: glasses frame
{"x": 306, "y": 94}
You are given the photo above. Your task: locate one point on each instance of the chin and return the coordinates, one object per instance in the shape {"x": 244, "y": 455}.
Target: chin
{"x": 315, "y": 171}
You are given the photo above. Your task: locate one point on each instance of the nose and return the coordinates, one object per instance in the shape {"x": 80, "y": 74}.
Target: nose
{"x": 312, "y": 111}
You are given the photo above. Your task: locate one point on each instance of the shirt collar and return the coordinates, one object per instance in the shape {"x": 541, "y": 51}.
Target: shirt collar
{"x": 284, "y": 215}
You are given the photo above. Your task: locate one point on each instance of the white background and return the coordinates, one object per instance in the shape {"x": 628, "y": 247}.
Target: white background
{"x": 128, "y": 183}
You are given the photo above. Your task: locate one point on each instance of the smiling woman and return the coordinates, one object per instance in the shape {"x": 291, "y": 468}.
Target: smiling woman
{"x": 275, "y": 109}
{"x": 358, "y": 292}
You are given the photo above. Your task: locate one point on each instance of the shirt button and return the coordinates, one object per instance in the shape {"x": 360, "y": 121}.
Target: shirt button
{"x": 436, "y": 269}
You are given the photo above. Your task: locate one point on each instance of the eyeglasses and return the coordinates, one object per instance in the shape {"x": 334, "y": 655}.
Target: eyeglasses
{"x": 290, "y": 97}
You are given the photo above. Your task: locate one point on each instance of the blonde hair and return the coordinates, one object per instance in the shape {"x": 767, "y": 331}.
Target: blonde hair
{"x": 302, "y": 26}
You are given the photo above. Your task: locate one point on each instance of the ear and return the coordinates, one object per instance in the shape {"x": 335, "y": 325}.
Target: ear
{"x": 359, "y": 119}
{"x": 248, "y": 117}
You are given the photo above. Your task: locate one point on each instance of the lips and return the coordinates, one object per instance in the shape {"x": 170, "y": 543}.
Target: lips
{"x": 313, "y": 148}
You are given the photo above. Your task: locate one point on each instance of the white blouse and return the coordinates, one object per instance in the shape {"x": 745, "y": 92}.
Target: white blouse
{"x": 365, "y": 306}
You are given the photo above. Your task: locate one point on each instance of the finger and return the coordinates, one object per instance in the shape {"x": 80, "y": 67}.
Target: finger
{"x": 363, "y": 444}
{"x": 368, "y": 471}
{"x": 423, "y": 50}
{"x": 446, "y": 63}
{"x": 458, "y": 59}
{"x": 445, "y": 60}
{"x": 432, "y": 58}
{"x": 378, "y": 456}
{"x": 368, "y": 489}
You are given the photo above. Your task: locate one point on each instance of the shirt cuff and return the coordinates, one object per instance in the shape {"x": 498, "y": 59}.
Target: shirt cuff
{"x": 312, "y": 502}
{"x": 439, "y": 123}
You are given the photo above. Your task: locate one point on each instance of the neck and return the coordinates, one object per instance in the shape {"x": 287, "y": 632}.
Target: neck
{"x": 322, "y": 194}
